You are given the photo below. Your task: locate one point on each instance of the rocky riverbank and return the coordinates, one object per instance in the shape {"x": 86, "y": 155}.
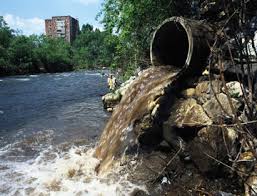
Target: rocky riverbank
{"x": 111, "y": 99}
{"x": 201, "y": 148}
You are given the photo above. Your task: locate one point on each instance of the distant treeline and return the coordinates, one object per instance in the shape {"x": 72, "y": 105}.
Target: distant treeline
{"x": 21, "y": 54}
{"x": 124, "y": 44}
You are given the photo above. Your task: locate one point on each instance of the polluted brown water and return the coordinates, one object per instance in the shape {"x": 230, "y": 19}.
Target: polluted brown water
{"x": 141, "y": 98}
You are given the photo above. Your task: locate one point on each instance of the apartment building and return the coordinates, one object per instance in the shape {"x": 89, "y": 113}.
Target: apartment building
{"x": 62, "y": 26}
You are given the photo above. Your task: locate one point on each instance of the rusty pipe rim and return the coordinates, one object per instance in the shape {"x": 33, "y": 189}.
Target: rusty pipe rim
{"x": 183, "y": 23}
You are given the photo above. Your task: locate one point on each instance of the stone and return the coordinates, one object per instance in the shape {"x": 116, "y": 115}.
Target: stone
{"x": 110, "y": 109}
{"x": 246, "y": 163}
{"x": 234, "y": 89}
{"x": 110, "y": 100}
{"x": 203, "y": 98}
{"x": 187, "y": 113}
{"x": 202, "y": 87}
{"x": 124, "y": 86}
{"x": 152, "y": 166}
{"x": 251, "y": 185}
{"x": 205, "y": 72}
{"x": 111, "y": 97}
{"x": 210, "y": 145}
{"x": 205, "y": 87}
{"x": 187, "y": 93}
{"x": 230, "y": 136}
{"x": 214, "y": 110}
{"x": 213, "y": 143}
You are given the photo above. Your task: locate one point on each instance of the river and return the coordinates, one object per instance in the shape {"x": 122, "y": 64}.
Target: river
{"x": 49, "y": 124}
{"x": 69, "y": 104}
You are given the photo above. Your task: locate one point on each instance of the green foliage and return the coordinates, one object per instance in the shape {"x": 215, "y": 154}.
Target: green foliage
{"x": 134, "y": 22}
{"x": 22, "y": 55}
{"x": 123, "y": 45}
{"x": 94, "y": 48}
{"x": 87, "y": 28}
{"x": 54, "y": 54}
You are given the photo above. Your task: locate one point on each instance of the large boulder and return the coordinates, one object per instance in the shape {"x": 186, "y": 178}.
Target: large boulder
{"x": 187, "y": 113}
{"x": 186, "y": 117}
{"x": 212, "y": 144}
{"x": 214, "y": 110}
{"x": 205, "y": 87}
{"x": 110, "y": 100}
{"x": 204, "y": 90}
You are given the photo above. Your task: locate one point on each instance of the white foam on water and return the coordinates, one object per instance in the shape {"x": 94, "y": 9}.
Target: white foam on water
{"x": 93, "y": 74}
{"x": 66, "y": 173}
{"x": 1, "y": 80}
{"x": 5, "y": 149}
{"x": 22, "y": 79}
{"x": 33, "y": 76}
{"x": 66, "y": 74}
{"x": 1, "y": 112}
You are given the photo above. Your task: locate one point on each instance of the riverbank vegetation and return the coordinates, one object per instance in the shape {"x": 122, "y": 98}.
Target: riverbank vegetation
{"x": 135, "y": 22}
{"x": 21, "y": 54}
{"x": 124, "y": 43}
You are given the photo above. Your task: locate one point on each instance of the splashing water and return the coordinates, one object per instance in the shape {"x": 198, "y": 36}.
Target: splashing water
{"x": 140, "y": 99}
{"x": 45, "y": 132}
{"x": 71, "y": 170}
{"x": 61, "y": 173}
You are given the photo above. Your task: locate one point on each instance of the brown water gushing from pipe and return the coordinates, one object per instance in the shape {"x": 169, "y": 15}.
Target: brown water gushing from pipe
{"x": 180, "y": 42}
{"x": 140, "y": 99}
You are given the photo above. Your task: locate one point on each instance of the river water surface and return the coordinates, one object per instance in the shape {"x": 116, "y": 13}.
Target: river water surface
{"x": 49, "y": 124}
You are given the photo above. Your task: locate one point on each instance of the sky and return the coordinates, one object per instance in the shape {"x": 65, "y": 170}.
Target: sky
{"x": 29, "y": 15}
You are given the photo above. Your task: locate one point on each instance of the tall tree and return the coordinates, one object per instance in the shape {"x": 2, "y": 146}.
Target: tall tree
{"x": 134, "y": 21}
{"x": 94, "y": 48}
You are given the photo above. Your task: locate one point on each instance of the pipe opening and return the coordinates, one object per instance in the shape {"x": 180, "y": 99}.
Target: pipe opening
{"x": 170, "y": 45}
